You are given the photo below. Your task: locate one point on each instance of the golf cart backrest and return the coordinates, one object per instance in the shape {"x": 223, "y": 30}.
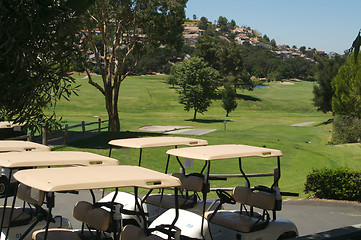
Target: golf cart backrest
{"x": 190, "y": 182}
{"x": 22, "y": 216}
{"x": 247, "y": 221}
{"x": 131, "y": 232}
{"x": 262, "y": 200}
{"x": 94, "y": 218}
{"x": 30, "y": 195}
{"x": 97, "y": 218}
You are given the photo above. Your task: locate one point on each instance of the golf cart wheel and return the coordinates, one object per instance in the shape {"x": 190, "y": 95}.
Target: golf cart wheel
{"x": 287, "y": 235}
{"x": 3, "y": 182}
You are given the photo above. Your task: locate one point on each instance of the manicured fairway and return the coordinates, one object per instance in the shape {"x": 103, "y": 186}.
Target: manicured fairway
{"x": 264, "y": 117}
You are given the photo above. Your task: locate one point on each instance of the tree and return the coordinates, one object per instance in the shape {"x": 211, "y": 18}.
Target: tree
{"x": 207, "y": 48}
{"x": 225, "y": 56}
{"x": 347, "y": 89}
{"x": 203, "y": 23}
{"x": 36, "y": 47}
{"x": 323, "y": 92}
{"x": 355, "y": 46}
{"x": 198, "y": 84}
{"x": 232, "y": 24}
{"x": 228, "y": 95}
{"x": 222, "y": 23}
{"x": 273, "y": 43}
{"x": 126, "y": 27}
{"x": 230, "y": 65}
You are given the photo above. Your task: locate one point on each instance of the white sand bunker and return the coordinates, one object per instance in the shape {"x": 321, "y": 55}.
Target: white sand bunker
{"x": 162, "y": 128}
{"x": 182, "y": 130}
{"x": 303, "y": 124}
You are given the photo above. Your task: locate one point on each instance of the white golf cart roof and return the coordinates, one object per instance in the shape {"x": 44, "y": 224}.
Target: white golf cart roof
{"x": 53, "y": 158}
{"x": 94, "y": 177}
{"x": 149, "y": 142}
{"x": 20, "y": 146}
{"x": 226, "y": 151}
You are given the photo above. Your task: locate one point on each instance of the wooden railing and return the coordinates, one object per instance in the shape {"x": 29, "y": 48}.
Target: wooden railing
{"x": 64, "y": 132}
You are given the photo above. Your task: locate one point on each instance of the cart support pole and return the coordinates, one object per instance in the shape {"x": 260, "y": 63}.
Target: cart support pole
{"x": 6, "y": 199}
{"x": 12, "y": 210}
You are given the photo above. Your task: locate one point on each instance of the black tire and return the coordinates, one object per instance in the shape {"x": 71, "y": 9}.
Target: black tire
{"x": 3, "y": 183}
{"x": 287, "y": 235}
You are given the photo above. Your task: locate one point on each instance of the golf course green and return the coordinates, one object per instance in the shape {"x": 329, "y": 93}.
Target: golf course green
{"x": 264, "y": 117}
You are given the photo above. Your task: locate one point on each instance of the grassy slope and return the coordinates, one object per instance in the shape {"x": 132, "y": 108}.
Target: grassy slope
{"x": 264, "y": 118}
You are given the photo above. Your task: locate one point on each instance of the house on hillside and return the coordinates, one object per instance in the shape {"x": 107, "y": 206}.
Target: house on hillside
{"x": 191, "y": 34}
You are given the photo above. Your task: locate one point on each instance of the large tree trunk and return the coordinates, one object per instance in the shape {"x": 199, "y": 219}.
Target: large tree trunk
{"x": 195, "y": 115}
{"x": 112, "y": 109}
{"x": 114, "y": 124}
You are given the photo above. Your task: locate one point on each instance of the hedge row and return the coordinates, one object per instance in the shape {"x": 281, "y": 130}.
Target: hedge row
{"x": 339, "y": 184}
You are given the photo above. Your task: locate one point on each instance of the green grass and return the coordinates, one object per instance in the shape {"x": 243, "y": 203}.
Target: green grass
{"x": 263, "y": 117}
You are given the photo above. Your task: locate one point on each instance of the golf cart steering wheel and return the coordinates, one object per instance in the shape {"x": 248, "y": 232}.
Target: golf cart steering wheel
{"x": 225, "y": 197}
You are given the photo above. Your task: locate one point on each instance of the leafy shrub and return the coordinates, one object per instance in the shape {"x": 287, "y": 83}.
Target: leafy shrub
{"x": 339, "y": 184}
{"x": 346, "y": 129}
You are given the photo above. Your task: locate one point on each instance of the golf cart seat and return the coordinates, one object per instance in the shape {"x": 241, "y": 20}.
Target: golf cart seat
{"x": 95, "y": 218}
{"x": 131, "y": 232}
{"x": 245, "y": 220}
{"x": 23, "y": 216}
{"x": 190, "y": 183}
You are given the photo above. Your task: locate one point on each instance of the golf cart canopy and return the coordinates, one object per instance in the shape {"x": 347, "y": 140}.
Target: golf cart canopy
{"x": 149, "y": 142}
{"x": 94, "y": 177}
{"x": 226, "y": 151}
{"x": 56, "y": 158}
{"x": 20, "y": 146}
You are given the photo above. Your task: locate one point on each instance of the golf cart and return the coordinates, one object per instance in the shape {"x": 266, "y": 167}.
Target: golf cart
{"x": 155, "y": 204}
{"x": 101, "y": 223}
{"x": 154, "y": 142}
{"x": 21, "y": 146}
{"x": 245, "y": 223}
{"x": 19, "y": 219}
{"x": 16, "y": 146}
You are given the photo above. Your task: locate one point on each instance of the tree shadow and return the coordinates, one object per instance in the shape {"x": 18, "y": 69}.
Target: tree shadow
{"x": 329, "y": 121}
{"x": 100, "y": 141}
{"x": 208, "y": 120}
{"x": 247, "y": 97}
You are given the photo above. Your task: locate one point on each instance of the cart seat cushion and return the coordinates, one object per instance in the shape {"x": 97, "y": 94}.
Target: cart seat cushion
{"x": 20, "y": 216}
{"x": 30, "y": 195}
{"x": 168, "y": 201}
{"x": 81, "y": 210}
{"x": 262, "y": 200}
{"x": 97, "y": 218}
{"x": 56, "y": 234}
{"x": 131, "y": 232}
{"x": 189, "y": 183}
{"x": 235, "y": 220}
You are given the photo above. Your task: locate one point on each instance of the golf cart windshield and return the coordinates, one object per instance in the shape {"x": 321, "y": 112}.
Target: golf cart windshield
{"x": 19, "y": 146}
{"x": 217, "y": 152}
{"x": 80, "y": 178}
{"x": 150, "y": 142}
{"x": 58, "y": 158}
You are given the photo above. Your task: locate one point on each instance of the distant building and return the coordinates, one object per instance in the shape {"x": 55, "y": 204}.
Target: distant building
{"x": 191, "y": 34}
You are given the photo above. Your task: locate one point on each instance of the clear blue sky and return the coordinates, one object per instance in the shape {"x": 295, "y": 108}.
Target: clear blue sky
{"x": 329, "y": 25}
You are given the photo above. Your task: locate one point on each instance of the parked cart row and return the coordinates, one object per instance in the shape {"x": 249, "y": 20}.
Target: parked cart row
{"x": 176, "y": 205}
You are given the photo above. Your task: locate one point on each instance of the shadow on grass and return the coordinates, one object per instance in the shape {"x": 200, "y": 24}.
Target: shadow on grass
{"x": 329, "y": 121}
{"x": 208, "y": 120}
{"x": 101, "y": 140}
{"x": 247, "y": 98}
